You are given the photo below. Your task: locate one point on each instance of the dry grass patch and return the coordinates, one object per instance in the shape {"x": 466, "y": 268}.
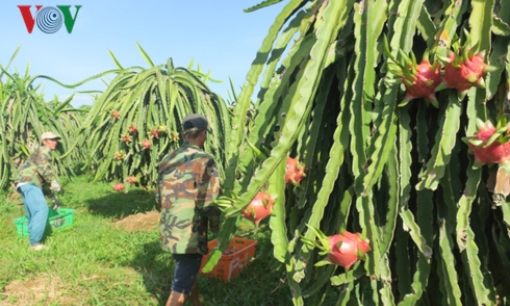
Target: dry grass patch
{"x": 146, "y": 221}
{"x": 50, "y": 289}
{"x": 41, "y": 290}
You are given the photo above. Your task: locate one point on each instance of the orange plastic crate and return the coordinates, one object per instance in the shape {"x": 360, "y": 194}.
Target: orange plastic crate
{"x": 229, "y": 266}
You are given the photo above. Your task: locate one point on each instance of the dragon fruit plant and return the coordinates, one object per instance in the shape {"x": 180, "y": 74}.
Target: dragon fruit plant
{"x": 149, "y": 105}
{"x": 392, "y": 188}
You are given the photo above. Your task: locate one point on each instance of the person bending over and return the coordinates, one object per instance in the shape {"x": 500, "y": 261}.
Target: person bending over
{"x": 34, "y": 172}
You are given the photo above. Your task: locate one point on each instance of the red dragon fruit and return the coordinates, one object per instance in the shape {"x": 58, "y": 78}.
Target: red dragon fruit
{"x": 346, "y": 249}
{"x": 119, "y": 187}
{"x": 496, "y": 152}
{"x": 422, "y": 81}
{"x": 343, "y": 249}
{"x": 146, "y": 144}
{"x": 132, "y": 129}
{"x": 155, "y": 132}
{"x": 294, "y": 172}
{"x": 115, "y": 114}
{"x": 259, "y": 208}
{"x": 465, "y": 71}
{"x": 419, "y": 80}
{"x": 231, "y": 251}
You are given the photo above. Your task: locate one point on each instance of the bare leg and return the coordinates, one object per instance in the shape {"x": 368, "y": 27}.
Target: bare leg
{"x": 176, "y": 299}
{"x": 196, "y": 299}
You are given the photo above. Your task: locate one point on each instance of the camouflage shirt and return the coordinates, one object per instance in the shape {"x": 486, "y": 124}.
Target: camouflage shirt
{"x": 37, "y": 168}
{"x": 188, "y": 182}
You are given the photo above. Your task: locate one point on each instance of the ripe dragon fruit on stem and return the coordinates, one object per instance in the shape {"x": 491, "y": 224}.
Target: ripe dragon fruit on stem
{"x": 347, "y": 249}
{"x": 420, "y": 80}
{"x": 146, "y": 144}
{"x": 465, "y": 70}
{"x": 259, "y": 208}
{"x": 155, "y": 132}
{"x": 294, "y": 172}
{"x": 132, "y": 129}
{"x": 115, "y": 114}
{"x": 491, "y": 145}
{"x": 344, "y": 249}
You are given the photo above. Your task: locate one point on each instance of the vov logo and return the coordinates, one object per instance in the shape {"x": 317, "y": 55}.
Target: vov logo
{"x": 49, "y": 19}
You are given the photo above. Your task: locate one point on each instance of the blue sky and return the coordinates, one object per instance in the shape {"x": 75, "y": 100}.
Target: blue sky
{"x": 217, "y": 34}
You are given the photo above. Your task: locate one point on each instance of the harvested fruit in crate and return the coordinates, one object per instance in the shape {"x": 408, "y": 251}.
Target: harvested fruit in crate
{"x": 238, "y": 254}
{"x": 230, "y": 251}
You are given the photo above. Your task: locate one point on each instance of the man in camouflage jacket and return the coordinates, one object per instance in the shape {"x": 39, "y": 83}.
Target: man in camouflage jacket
{"x": 188, "y": 182}
{"x": 34, "y": 172}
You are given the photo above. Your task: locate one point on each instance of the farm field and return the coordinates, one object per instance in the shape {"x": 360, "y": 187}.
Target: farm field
{"x": 370, "y": 139}
{"x": 111, "y": 256}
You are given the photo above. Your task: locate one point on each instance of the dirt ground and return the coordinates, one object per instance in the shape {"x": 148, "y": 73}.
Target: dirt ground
{"x": 140, "y": 222}
{"x": 43, "y": 290}
{"x": 49, "y": 289}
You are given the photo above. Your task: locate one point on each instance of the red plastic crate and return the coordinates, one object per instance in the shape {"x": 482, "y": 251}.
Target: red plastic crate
{"x": 229, "y": 266}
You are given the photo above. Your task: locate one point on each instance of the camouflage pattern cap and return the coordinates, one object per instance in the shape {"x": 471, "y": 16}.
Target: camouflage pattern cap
{"x": 195, "y": 122}
{"x": 49, "y": 135}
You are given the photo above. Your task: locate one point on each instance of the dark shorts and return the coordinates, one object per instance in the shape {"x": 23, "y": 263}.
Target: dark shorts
{"x": 186, "y": 271}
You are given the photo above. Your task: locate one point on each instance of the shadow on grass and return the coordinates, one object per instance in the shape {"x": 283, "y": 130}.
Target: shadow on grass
{"x": 258, "y": 284}
{"x": 156, "y": 267}
{"x": 120, "y": 205}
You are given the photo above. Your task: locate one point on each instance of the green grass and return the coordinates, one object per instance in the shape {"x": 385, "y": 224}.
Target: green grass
{"x": 96, "y": 263}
